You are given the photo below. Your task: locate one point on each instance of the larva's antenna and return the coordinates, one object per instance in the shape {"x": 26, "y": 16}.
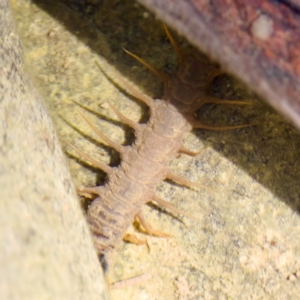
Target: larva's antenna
{"x": 99, "y": 165}
{"x": 124, "y": 85}
{"x": 174, "y": 44}
{"x": 162, "y": 76}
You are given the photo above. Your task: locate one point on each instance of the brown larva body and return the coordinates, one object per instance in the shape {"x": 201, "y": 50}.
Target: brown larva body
{"x": 132, "y": 184}
{"x": 145, "y": 163}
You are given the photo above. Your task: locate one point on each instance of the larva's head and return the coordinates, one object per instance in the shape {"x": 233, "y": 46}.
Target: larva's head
{"x": 191, "y": 83}
{"x": 196, "y": 72}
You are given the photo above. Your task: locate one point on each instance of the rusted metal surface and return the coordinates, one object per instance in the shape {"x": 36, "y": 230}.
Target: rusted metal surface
{"x": 257, "y": 40}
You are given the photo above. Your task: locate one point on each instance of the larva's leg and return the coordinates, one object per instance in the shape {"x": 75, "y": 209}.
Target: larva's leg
{"x": 131, "y": 238}
{"x": 174, "y": 44}
{"x": 126, "y": 86}
{"x": 200, "y": 125}
{"x": 186, "y": 151}
{"x": 149, "y": 228}
{"x": 105, "y": 168}
{"x": 171, "y": 207}
{"x": 213, "y": 100}
{"x": 85, "y": 195}
{"x": 183, "y": 181}
{"x": 88, "y": 190}
{"x": 162, "y": 76}
{"x": 197, "y": 124}
{"x": 109, "y": 142}
{"x": 124, "y": 119}
{"x": 227, "y": 102}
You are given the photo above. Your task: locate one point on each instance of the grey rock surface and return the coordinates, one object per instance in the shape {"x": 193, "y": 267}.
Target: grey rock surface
{"x": 246, "y": 243}
{"x": 45, "y": 245}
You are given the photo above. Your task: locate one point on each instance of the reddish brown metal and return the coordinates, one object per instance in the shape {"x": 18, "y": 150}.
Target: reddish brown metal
{"x": 257, "y": 40}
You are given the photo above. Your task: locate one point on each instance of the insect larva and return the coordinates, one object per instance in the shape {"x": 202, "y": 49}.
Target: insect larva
{"x": 145, "y": 163}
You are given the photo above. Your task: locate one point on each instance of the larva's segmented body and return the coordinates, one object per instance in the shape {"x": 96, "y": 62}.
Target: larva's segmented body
{"x": 132, "y": 184}
{"x": 145, "y": 163}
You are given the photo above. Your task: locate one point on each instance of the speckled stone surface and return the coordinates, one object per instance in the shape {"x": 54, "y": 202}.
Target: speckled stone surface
{"x": 45, "y": 244}
{"x": 245, "y": 245}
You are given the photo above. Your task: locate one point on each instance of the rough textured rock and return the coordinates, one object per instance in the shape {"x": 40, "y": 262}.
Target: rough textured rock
{"x": 246, "y": 245}
{"x": 46, "y": 250}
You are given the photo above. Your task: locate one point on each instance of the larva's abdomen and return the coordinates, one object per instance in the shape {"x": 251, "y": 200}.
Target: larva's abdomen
{"x": 132, "y": 184}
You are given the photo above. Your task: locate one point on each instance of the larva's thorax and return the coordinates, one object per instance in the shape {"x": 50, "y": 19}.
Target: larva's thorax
{"x": 166, "y": 121}
{"x": 141, "y": 168}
